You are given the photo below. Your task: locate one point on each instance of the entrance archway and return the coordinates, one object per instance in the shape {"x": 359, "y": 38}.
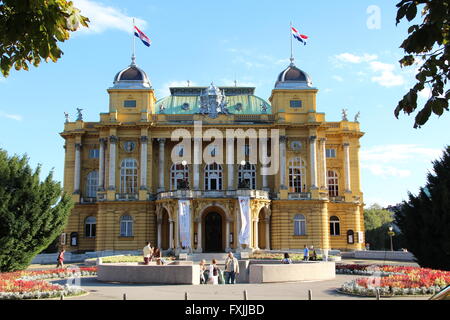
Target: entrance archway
{"x": 213, "y": 232}
{"x": 165, "y": 230}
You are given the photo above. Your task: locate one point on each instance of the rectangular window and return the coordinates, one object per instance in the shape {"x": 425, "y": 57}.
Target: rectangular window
{"x": 331, "y": 153}
{"x": 129, "y": 103}
{"x": 94, "y": 153}
{"x": 296, "y": 103}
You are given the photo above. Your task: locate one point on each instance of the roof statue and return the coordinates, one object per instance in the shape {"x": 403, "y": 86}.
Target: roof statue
{"x": 213, "y": 102}
{"x": 79, "y": 114}
{"x": 357, "y": 116}
{"x": 263, "y": 108}
{"x": 66, "y": 115}
{"x": 344, "y": 115}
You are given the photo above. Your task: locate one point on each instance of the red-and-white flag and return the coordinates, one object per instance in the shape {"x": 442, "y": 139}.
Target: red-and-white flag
{"x": 300, "y": 37}
{"x": 145, "y": 40}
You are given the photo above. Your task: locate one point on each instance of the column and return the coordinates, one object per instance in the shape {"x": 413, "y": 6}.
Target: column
{"x": 161, "y": 165}
{"x": 283, "y": 185}
{"x": 112, "y": 162}
{"x": 347, "y": 167}
{"x": 101, "y": 168}
{"x": 313, "y": 152}
{"x": 197, "y": 162}
{"x": 324, "y": 164}
{"x": 255, "y": 228}
{"x": 177, "y": 233}
{"x": 199, "y": 235}
{"x": 227, "y": 235}
{"x": 170, "y": 234}
{"x": 159, "y": 222}
{"x": 267, "y": 233}
{"x": 77, "y": 172}
{"x": 230, "y": 163}
{"x": 144, "y": 143}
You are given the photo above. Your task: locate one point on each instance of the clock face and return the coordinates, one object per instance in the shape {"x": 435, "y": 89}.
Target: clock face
{"x": 296, "y": 145}
{"x": 129, "y": 146}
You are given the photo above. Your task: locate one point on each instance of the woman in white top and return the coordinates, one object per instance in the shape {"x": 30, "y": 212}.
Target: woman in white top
{"x": 213, "y": 273}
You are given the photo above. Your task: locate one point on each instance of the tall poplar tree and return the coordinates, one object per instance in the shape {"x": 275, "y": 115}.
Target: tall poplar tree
{"x": 425, "y": 219}
{"x": 32, "y": 212}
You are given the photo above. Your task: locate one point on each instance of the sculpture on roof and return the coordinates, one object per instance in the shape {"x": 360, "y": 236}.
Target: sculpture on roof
{"x": 79, "y": 114}
{"x": 213, "y": 102}
{"x": 344, "y": 115}
{"x": 66, "y": 115}
{"x": 357, "y": 116}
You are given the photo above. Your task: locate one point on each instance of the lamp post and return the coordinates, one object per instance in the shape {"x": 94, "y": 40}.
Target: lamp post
{"x": 391, "y": 233}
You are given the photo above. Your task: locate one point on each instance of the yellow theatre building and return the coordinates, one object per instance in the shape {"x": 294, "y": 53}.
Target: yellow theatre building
{"x": 132, "y": 182}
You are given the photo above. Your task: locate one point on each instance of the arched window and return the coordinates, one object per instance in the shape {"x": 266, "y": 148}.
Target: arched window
{"x": 297, "y": 175}
{"x": 90, "y": 227}
{"x": 299, "y": 225}
{"x": 247, "y": 174}
{"x": 335, "y": 228}
{"x": 126, "y": 226}
{"x": 333, "y": 184}
{"x": 92, "y": 184}
{"x": 128, "y": 176}
{"x": 213, "y": 177}
{"x": 178, "y": 173}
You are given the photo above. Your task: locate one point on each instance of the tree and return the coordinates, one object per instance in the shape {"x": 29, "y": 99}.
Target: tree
{"x": 376, "y": 222}
{"x": 32, "y": 212}
{"x": 375, "y": 216}
{"x": 427, "y": 43}
{"x": 30, "y": 31}
{"x": 425, "y": 219}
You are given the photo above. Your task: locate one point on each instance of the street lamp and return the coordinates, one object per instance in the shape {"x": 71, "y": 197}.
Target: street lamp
{"x": 391, "y": 233}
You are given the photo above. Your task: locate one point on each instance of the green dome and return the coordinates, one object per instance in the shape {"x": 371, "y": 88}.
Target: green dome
{"x": 187, "y": 100}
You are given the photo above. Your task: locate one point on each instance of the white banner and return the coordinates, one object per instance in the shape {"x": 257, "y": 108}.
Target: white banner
{"x": 244, "y": 234}
{"x": 184, "y": 220}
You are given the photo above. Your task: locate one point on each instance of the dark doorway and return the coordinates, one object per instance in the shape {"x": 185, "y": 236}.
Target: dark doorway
{"x": 213, "y": 232}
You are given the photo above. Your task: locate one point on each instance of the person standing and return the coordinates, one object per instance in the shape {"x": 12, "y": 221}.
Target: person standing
{"x": 213, "y": 272}
{"x": 147, "y": 253}
{"x": 306, "y": 253}
{"x": 286, "y": 259}
{"x": 203, "y": 273}
{"x": 231, "y": 268}
{"x": 60, "y": 259}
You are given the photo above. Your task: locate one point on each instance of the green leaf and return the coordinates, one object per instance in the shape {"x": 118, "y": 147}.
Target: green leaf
{"x": 411, "y": 12}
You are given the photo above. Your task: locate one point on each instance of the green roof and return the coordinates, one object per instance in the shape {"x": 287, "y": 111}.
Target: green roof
{"x": 186, "y": 100}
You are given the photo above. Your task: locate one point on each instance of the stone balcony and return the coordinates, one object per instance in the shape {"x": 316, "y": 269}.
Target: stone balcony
{"x": 202, "y": 194}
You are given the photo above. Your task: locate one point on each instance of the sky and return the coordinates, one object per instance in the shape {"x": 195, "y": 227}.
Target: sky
{"x": 352, "y": 57}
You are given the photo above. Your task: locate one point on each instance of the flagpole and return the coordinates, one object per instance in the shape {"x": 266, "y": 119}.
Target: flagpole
{"x": 133, "y": 57}
{"x": 292, "y": 50}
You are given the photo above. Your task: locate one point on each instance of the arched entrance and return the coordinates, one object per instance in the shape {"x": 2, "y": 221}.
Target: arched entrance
{"x": 213, "y": 232}
{"x": 263, "y": 229}
{"x": 165, "y": 230}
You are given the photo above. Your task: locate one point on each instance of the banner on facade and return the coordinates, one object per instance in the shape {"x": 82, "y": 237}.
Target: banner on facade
{"x": 184, "y": 219}
{"x": 244, "y": 233}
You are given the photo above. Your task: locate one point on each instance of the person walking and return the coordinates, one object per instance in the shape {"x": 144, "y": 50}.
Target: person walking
{"x": 213, "y": 277}
{"x": 231, "y": 268}
{"x": 60, "y": 259}
{"x": 147, "y": 253}
{"x": 286, "y": 259}
{"x": 203, "y": 272}
{"x": 313, "y": 254}
{"x": 306, "y": 253}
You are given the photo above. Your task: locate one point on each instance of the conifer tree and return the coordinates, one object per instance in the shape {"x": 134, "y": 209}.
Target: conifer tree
{"x": 32, "y": 212}
{"x": 425, "y": 219}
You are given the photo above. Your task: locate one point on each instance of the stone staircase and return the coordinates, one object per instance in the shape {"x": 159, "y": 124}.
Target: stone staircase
{"x": 220, "y": 257}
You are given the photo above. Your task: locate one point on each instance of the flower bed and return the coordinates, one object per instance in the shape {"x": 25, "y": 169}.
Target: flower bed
{"x": 32, "y": 284}
{"x": 393, "y": 280}
{"x": 121, "y": 259}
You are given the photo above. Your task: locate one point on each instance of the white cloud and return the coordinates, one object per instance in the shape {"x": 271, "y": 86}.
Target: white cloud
{"x": 396, "y": 160}
{"x": 386, "y": 78}
{"x": 425, "y": 93}
{"x": 338, "y": 78}
{"x": 165, "y": 90}
{"x": 229, "y": 82}
{"x": 351, "y": 58}
{"x": 103, "y": 17}
{"x": 16, "y": 117}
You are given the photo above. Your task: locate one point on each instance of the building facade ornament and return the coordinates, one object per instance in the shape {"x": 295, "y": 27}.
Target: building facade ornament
{"x": 213, "y": 102}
